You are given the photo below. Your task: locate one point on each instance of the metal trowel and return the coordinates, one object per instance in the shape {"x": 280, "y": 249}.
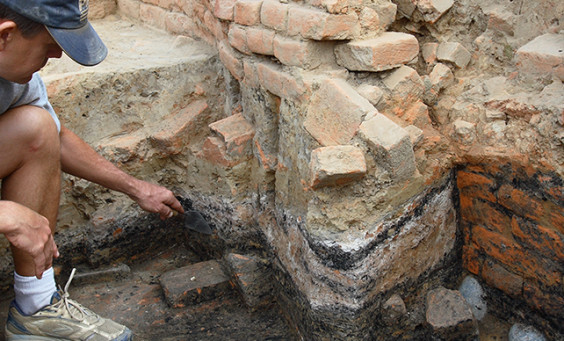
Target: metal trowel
{"x": 194, "y": 221}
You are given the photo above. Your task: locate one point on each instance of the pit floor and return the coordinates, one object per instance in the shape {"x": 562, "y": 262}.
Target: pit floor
{"x": 138, "y": 302}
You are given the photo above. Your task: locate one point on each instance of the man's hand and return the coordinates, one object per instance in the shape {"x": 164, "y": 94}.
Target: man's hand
{"x": 156, "y": 199}
{"x": 30, "y": 232}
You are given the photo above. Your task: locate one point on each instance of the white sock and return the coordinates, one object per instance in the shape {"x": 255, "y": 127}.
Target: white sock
{"x": 32, "y": 294}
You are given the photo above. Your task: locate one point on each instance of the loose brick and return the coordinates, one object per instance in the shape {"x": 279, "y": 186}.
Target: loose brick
{"x": 274, "y": 14}
{"x": 247, "y": 12}
{"x": 543, "y": 56}
{"x": 391, "y": 146}
{"x": 371, "y": 92}
{"x": 404, "y": 82}
{"x": 237, "y": 134}
{"x": 455, "y": 53}
{"x": 500, "y": 20}
{"x": 305, "y": 54}
{"x": 449, "y": 315}
{"x": 498, "y": 277}
{"x": 214, "y": 151}
{"x": 320, "y": 25}
{"x": 261, "y": 40}
{"x": 224, "y": 9}
{"x": 417, "y": 114}
{"x": 336, "y": 165}
{"x": 388, "y": 51}
{"x": 230, "y": 61}
{"x": 174, "y": 133}
{"x": 432, "y": 10}
{"x": 335, "y": 113}
{"x": 429, "y": 52}
{"x": 415, "y": 134}
{"x": 279, "y": 82}
{"x": 237, "y": 37}
{"x": 441, "y": 76}
{"x": 195, "y": 284}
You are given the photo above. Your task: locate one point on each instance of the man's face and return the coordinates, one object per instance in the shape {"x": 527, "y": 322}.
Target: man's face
{"x": 22, "y": 57}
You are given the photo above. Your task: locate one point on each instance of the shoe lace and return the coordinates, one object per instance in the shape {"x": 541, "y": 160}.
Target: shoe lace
{"x": 78, "y": 313}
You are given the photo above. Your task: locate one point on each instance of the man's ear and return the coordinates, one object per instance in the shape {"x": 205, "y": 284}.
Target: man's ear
{"x": 7, "y": 29}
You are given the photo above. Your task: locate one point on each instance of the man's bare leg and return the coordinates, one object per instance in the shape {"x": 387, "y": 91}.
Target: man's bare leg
{"x": 30, "y": 169}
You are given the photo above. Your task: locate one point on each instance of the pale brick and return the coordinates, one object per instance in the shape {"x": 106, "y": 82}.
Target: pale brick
{"x": 417, "y": 114}
{"x": 319, "y": 25}
{"x": 152, "y": 15}
{"x": 432, "y": 10}
{"x": 274, "y": 15}
{"x": 500, "y": 20}
{"x": 251, "y": 74}
{"x": 224, "y": 9}
{"x": 261, "y": 40}
{"x": 371, "y": 92}
{"x": 280, "y": 83}
{"x": 178, "y": 23}
{"x": 441, "y": 76}
{"x": 129, "y": 8}
{"x": 388, "y": 51}
{"x": 305, "y": 54}
{"x": 214, "y": 26}
{"x": 415, "y": 135}
{"x": 230, "y": 61}
{"x": 336, "y": 6}
{"x": 335, "y": 112}
{"x": 237, "y": 37}
{"x": 455, "y": 53}
{"x": 336, "y": 165}
{"x": 404, "y": 83}
{"x": 429, "y": 52}
{"x": 391, "y": 146}
{"x": 237, "y": 134}
{"x": 247, "y": 12}
{"x": 543, "y": 56}
{"x": 406, "y": 7}
{"x": 387, "y": 11}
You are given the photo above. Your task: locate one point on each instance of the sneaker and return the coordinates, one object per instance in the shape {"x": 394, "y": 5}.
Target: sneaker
{"x": 63, "y": 319}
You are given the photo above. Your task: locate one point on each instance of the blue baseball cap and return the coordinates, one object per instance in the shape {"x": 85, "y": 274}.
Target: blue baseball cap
{"x": 67, "y": 22}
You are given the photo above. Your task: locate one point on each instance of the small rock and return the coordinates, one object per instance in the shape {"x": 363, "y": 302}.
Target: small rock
{"x": 449, "y": 315}
{"x": 472, "y": 291}
{"x": 521, "y": 332}
{"x": 393, "y": 310}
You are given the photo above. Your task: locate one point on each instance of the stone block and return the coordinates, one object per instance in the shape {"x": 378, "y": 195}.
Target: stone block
{"x": 543, "y": 56}
{"x": 247, "y": 12}
{"x": 335, "y": 112}
{"x": 432, "y": 10}
{"x": 252, "y": 277}
{"x": 319, "y": 25}
{"x": 237, "y": 134}
{"x": 224, "y": 9}
{"x": 336, "y": 165}
{"x": 449, "y": 315}
{"x": 261, "y": 40}
{"x": 274, "y": 14}
{"x": 174, "y": 132}
{"x": 305, "y": 54}
{"x": 237, "y": 37}
{"x": 455, "y": 53}
{"x": 391, "y": 146}
{"x": 194, "y": 284}
{"x": 388, "y": 51}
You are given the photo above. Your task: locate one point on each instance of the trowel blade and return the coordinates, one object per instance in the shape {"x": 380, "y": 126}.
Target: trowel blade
{"x": 194, "y": 221}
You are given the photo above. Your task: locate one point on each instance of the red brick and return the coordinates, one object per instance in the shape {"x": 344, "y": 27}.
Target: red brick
{"x": 279, "y": 82}
{"x": 178, "y": 23}
{"x": 247, "y": 12}
{"x": 175, "y": 131}
{"x": 230, "y": 61}
{"x": 548, "y": 301}
{"x": 274, "y": 14}
{"x": 388, "y": 51}
{"x": 519, "y": 202}
{"x": 543, "y": 240}
{"x": 471, "y": 259}
{"x": 465, "y": 179}
{"x": 214, "y": 151}
{"x": 152, "y": 15}
{"x": 336, "y": 6}
{"x": 336, "y": 112}
{"x": 224, "y": 9}
{"x": 261, "y": 40}
{"x": 305, "y": 54}
{"x": 542, "y": 56}
{"x": 498, "y": 277}
{"x": 237, "y": 37}
{"x": 484, "y": 214}
{"x": 237, "y": 134}
{"x": 319, "y": 25}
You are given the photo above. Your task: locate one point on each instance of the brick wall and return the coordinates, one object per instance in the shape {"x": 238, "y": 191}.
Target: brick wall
{"x": 512, "y": 217}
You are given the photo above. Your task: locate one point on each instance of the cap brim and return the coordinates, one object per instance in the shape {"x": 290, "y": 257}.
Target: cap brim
{"x": 83, "y": 45}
